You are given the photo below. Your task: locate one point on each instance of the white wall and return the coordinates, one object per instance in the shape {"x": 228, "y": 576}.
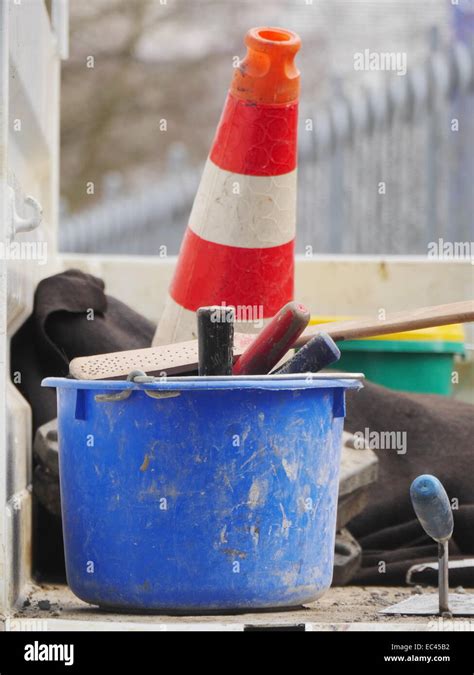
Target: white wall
{"x": 29, "y": 161}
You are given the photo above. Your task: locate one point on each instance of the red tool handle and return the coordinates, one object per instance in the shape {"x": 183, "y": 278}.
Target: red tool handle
{"x": 273, "y": 341}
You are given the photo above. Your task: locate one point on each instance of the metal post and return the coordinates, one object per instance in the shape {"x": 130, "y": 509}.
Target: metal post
{"x": 60, "y": 20}
{"x": 461, "y": 192}
{"x": 432, "y": 149}
{"x": 443, "y": 578}
{"x": 336, "y": 179}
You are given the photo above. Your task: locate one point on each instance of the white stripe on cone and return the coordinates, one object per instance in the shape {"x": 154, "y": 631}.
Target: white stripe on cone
{"x": 247, "y": 211}
{"x": 233, "y": 210}
{"x": 177, "y": 324}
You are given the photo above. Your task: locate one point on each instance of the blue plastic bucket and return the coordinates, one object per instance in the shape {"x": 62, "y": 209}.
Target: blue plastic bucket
{"x": 198, "y": 494}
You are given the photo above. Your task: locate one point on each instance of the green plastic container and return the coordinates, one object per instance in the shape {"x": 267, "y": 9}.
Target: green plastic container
{"x": 419, "y": 361}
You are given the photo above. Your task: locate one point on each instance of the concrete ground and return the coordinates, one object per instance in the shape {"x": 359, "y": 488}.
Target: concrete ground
{"x": 54, "y": 607}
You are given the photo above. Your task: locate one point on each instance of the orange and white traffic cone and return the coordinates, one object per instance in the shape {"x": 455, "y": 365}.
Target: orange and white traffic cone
{"x": 238, "y": 248}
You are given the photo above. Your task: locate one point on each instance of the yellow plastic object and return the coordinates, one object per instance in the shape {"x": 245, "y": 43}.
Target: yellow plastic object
{"x": 452, "y": 333}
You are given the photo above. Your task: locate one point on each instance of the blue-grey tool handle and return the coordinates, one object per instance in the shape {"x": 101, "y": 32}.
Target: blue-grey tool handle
{"x": 432, "y": 507}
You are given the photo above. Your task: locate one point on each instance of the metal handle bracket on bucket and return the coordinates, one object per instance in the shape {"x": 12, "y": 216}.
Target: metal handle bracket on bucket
{"x": 139, "y": 377}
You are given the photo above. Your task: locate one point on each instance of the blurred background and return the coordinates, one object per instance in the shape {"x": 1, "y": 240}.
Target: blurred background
{"x": 381, "y": 168}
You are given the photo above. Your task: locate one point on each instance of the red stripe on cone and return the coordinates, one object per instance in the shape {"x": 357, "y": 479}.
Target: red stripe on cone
{"x": 209, "y": 273}
{"x": 256, "y": 139}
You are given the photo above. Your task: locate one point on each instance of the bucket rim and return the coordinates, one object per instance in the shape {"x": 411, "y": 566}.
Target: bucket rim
{"x": 230, "y": 382}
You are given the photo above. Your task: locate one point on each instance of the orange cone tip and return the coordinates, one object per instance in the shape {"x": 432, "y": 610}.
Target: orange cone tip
{"x": 268, "y": 73}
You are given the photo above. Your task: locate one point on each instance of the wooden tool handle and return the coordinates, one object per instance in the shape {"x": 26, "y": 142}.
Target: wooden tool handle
{"x": 426, "y": 317}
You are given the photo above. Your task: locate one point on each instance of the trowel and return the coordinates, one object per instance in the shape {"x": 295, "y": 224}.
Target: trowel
{"x": 433, "y": 510}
